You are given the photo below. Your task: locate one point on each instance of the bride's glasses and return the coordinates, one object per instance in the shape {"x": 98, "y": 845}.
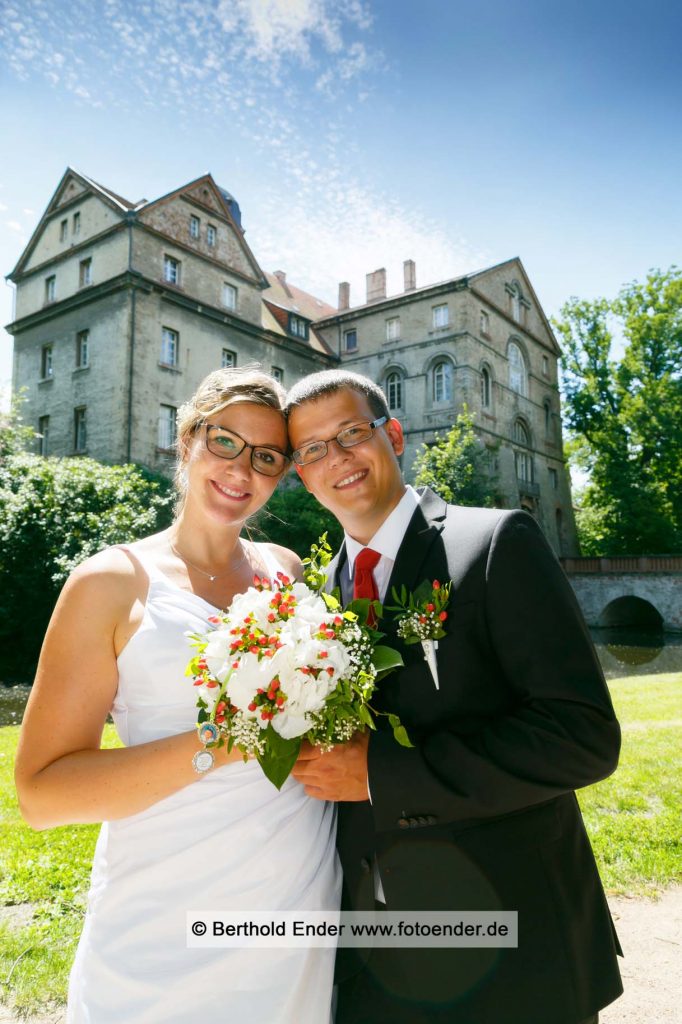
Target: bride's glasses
{"x": 228, "y": 445}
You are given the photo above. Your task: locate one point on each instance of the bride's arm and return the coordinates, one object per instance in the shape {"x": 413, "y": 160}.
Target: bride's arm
{"x": 62, "y": 776}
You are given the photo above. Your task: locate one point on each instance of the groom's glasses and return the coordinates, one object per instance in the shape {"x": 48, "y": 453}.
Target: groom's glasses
{"x": 347, "y": 438}
{"x": 228, "y": 445}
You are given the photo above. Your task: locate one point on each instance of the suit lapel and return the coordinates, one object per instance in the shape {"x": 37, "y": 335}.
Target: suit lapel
{"x": 425, "y": 526}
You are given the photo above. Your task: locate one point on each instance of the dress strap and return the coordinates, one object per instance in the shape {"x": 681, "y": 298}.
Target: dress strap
{"x": 271, "y": 563}
{"x": 152, "y": 572}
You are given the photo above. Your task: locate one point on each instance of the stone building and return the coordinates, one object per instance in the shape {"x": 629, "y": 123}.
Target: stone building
{"x": 480, "y": 339}
{"x": 122, "y": 308}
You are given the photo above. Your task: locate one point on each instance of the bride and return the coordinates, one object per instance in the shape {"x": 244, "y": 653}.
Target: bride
{"x": 178, "y": 835}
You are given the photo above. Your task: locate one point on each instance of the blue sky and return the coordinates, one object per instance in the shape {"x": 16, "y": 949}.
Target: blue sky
{"x": 356, "y": 134}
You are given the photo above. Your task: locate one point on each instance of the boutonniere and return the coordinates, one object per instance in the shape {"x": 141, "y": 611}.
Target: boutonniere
{"x": 422, "y": 616}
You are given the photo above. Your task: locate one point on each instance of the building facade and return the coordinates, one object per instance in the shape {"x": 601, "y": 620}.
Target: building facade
{"x": 122, "y": 308}
{"x": 480, "y": 340}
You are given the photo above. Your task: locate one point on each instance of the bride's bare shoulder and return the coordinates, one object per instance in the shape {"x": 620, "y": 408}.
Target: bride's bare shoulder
{"x": 289, "y": 560}
{"x": 114, "y": 574}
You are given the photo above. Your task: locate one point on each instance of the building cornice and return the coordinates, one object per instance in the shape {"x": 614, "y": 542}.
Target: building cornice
{"x": 514, "y": 324}
{"x": 403, "y": 299}
{"x": 91, "y": 293}
{"x": 41, "y": 268}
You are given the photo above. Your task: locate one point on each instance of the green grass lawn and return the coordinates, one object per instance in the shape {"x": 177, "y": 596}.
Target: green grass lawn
{"x": 633, "y": 820}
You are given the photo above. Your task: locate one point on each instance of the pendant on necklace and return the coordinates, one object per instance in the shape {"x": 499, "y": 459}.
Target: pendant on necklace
{"x": 212, "y": 579}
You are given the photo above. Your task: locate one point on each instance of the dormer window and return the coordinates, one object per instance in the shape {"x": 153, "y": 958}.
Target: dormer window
{"x": 298, "y": 326}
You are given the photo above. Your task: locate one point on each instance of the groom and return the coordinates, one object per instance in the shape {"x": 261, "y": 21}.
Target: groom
{"x": 480, "y": 814}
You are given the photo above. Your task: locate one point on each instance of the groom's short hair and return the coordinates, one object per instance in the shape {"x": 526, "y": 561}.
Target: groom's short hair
{"x": 328, "y": 382}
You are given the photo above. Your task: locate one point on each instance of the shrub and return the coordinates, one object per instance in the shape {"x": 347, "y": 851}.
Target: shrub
{"x": 54, "y": 513}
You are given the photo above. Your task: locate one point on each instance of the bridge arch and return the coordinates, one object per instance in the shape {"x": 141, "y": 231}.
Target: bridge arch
{"x": 631, "y": 612}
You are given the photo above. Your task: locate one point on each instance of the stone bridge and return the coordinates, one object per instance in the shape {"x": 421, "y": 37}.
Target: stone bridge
{"x": 640, "y": 593}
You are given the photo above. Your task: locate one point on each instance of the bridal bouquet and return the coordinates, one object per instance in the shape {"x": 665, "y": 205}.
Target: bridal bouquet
{"x": 286, "y": 662}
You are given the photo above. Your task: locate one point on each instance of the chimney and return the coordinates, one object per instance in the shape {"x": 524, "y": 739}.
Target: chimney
{"x": 344, "y": 295}
{"x": 282, "y": 278}
{"x": 376, "y": 285}
{"x": 410, "y": 275}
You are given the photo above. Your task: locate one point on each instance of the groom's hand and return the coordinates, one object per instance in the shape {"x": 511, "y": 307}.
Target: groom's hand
{"x": 340, "y": 774}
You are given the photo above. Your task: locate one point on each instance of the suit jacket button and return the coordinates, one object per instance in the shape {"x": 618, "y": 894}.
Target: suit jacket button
{"x": 365, "y": 866}
{"x": 403, "y": 823}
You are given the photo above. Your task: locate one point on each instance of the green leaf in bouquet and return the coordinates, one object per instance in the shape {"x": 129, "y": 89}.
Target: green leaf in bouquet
{"x": 423, "y": 593}
{"x": 366, "y": 716}
{"x": 385, "y": 659}
{"x": 279, "y": 757}
{"x": 399, "y": 731}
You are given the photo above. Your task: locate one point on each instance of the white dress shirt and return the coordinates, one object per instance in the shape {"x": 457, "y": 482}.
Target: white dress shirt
{"x": 386, "y": 541}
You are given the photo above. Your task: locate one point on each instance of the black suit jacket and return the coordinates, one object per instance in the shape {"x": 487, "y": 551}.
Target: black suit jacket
{"x": 481, "y": 813}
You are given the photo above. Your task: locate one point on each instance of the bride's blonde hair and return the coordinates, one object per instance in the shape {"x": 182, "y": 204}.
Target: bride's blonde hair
{"x": 216, "y": 392}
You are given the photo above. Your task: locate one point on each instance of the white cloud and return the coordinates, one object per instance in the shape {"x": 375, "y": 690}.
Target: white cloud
{"x": 29, "y": 213}
{"x": 2, "y": 207}
{"x": 14, "y": 225}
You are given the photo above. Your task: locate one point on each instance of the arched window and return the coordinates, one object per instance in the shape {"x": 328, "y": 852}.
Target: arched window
{"x": 548, "y": 419}
{"x": 394, "y": 391}
{"x": 442, "y": 381}
{"x": 485, "y": 388}
{"x": 518, "y": 376}
{"x": 522, "y": 459}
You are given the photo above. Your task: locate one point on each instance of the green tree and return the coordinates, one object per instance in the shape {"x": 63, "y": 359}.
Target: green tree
{"x": 457, "y": 466}
{"x": 15, "y": 435}
{"x": 54, "y": 513}
{"x": 624, "y": 416}
{"x": 294, "y": 519}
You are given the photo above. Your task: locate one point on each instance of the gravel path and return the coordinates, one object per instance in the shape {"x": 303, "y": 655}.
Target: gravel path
{"x": 651, "y": 935}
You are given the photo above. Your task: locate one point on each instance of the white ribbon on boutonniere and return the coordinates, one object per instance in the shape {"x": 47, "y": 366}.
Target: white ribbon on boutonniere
{"x": 429, "y": 648}
{"x": 422, "y": 617}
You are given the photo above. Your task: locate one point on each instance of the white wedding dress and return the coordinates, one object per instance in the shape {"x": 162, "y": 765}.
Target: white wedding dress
{"x": 229, "y": 841}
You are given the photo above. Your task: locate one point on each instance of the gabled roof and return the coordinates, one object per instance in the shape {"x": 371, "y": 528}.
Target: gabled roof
{"x": 122, "y": 206}
{"x": 294, "y": 299}
{"x": 226, "y": 205}
{"x": 528, "y": 287}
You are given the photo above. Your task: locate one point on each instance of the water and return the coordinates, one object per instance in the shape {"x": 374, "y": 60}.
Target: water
{"x": 621, "y": 653}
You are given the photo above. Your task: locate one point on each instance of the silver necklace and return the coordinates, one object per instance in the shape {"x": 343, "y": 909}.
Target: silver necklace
{"x": 212, "y": 577}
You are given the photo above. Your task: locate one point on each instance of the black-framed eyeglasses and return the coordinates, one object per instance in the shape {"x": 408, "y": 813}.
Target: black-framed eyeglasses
{"x": 226, "y": 444}
{"x": 347, "y": 438}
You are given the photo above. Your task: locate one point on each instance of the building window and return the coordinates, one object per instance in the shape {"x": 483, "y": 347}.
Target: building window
{"x": 194, "y": 226}
{"x": 85, "y": 273}
{"x": 44, "y": 435}
{"x": 548, "y": 419}
{"x": 210, "y": 235}
{"x": 394, "y": 391}
{"x": 350, "y": 341}
{"x": 80, "y": 434}
{"x": 545, "y": 367}
{"x": 297, "y": 326}
{"x": 522, "y": 459}
{"x": 393, "y": 328}
{"x": 46, "y": 370}
{"x": 76, "y": 225}
{"x": 554, "y": 479}
{"x": 441, "y": 317}
{"x": 50, "y": 288}
{"x": 228, "y": 359}
{"x": 229, "y": 296}
{"x": 485, "y": 324}
{"x": 442, "y": 381}
{"x": 515, "y": 302}
{"x": 518, "y": 377}
{"x": 485, "y": 388}
{"x": 167, "y": 421}
{"x": 278, "y": 374}
{"x": 169, "y": 347}
{"x": 82, "y": 349}
{"x": 63, "y": 230}
{"x": 171, "y": 270}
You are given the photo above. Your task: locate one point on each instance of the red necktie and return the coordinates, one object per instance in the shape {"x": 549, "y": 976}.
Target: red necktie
{"x": 364, "y": 584}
